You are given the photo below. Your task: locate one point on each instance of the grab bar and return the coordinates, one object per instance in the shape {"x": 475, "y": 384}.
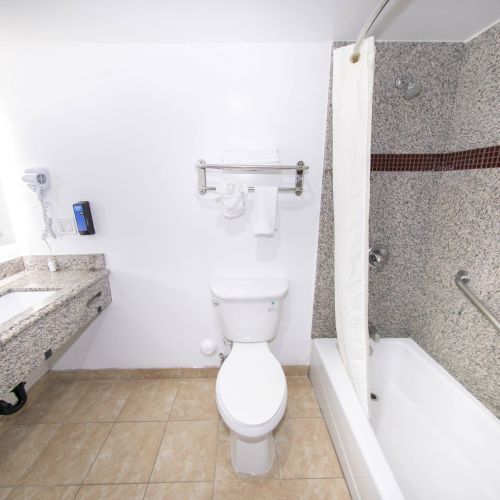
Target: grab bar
{"x": 462, "y": 279}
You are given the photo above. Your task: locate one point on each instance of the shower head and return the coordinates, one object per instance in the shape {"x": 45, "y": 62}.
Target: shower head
{"x": 411, "y": 88}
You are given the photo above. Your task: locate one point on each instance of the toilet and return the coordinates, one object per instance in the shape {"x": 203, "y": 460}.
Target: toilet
{"x": 251, "y": 391}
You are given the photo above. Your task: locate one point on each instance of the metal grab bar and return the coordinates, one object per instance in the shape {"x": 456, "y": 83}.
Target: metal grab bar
{"x": 462, "y": 279}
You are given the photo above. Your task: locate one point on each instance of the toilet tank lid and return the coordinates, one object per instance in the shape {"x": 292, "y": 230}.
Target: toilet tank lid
{"x": 238, "y": 289}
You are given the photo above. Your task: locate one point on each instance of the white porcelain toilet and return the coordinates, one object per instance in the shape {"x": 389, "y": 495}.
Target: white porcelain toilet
{"x": 251, "y": 390}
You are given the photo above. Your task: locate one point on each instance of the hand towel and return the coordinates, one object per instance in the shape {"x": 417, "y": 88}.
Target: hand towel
{"x": 232, "y": 194}
{"x": 266, "y": 210}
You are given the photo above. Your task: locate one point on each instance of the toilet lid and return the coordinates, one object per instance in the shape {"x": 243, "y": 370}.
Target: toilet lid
{"x": 251, "y": 384}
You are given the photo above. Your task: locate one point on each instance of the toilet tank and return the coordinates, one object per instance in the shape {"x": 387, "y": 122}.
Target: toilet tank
{"x": 249, "y": 310}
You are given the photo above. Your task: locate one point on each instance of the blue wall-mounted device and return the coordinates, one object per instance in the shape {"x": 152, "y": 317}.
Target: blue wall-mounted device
{"x": 83, "y": 217}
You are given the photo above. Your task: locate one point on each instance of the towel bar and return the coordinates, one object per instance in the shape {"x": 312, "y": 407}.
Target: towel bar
{"x": 299, "y": 169}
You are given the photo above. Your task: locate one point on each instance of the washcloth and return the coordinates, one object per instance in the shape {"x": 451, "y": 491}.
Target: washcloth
{"x": 266, "y": 210}
{"x": 232, "y": 194}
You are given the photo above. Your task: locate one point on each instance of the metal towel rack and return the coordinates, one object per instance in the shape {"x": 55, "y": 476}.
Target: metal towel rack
{"x": 462, "y": 279}
{"x": 299, "y": 169}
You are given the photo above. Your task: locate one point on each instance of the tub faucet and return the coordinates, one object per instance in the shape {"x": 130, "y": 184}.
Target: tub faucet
{"x": 372, "y": 332}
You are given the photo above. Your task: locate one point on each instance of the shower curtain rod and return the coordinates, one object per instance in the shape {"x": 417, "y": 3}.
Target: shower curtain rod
{"x": 366, "y": 28}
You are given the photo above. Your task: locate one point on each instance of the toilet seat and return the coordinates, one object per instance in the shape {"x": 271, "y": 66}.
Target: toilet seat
{"x": 251, "y": 391}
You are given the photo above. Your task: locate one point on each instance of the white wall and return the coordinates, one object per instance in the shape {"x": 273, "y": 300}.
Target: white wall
{"x": 6, "y": 232}
{"x": 121, "y": 126}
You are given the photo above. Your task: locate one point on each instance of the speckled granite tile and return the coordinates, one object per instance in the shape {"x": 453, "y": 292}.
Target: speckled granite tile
{"x": 400, "y": 215}
{"x": 323, "y": 324}
{"x": 84, "y": 262}
{"x": 465, "y": 235}
{"x": 65, "y": 284}
{"x": 421, "y": 124}
{"x": 476, "y": 120}
{"x": 10, "y": 267}
{"x": 79, "y": 297}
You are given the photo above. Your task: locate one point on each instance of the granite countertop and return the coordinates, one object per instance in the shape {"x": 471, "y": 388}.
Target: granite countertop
{"x": 67, "y": 284}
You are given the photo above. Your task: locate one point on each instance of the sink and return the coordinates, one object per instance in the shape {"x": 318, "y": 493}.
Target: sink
{"x": 14, "y": 303}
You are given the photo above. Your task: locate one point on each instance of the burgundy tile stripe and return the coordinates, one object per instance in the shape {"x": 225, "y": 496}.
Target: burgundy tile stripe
{"x": 460, "y": 160}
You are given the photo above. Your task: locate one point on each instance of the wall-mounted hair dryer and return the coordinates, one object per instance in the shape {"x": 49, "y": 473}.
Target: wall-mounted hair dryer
{"x": 38, "y": 180}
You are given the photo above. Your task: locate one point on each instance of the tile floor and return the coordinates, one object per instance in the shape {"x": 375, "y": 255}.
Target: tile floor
{"x": 155, "y": 439}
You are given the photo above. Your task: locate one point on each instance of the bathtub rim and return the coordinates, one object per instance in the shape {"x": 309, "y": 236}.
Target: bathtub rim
{"x": 373, "y": 474}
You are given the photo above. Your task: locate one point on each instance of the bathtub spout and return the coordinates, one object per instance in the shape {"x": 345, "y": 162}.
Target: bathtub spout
{"x": 372, "y": 332}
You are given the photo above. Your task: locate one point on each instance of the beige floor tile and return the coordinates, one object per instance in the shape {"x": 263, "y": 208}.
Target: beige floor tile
{"x": 315, "y": 489}
{"x": 187, "y": 453}
{"x": 150, "y": 400}
{"x": 21, "y": 446}
{"x": 195, "y": 400}
{"x": 301, "y": 399}
{"x": 55, "y": 403}
{"x": 247, "y": 490}
{"x": 4, "y": 493}
{"x": 180, "y": 491}
{"x": 128, "y": 454}
{"x": 44, "y": 493}
{"x": 224, "y": 469}
{"x": 69, "y": 455}
{"x": 103, "y": 402}
{"x": 111, "y": 492}
{"x": 305, "y": 450}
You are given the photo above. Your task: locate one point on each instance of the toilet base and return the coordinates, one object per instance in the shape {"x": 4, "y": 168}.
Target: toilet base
{"x": 253, "y": 456}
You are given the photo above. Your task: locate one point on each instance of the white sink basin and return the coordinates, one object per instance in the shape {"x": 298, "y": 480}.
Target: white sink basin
{"x": 14, "y": 303}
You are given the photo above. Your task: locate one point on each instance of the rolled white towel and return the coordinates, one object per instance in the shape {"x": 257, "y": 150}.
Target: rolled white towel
{"x": 232, "y": 194}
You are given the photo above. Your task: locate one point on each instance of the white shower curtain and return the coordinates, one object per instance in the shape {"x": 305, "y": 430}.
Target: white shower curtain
{"x": 352, "y": 114}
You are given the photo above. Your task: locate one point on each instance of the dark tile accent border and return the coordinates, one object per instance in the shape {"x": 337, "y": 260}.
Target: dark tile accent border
{"x": 460, "y": 160}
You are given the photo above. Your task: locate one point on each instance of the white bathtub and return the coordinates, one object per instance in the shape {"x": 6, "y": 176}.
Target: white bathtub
{"x": 428, "y": 438}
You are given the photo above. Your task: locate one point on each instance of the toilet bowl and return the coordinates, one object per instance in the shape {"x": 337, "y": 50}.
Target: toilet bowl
{"x": 251, "y": 391}
{"x": 251, "y": 396}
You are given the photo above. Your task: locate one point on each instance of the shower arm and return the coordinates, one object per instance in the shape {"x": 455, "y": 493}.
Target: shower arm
{"x": 366, "y": 28}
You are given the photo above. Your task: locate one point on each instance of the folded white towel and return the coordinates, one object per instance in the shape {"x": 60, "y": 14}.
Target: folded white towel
{"x": 269, "y": 156}
{"x": 232, "y": 194}
{"x": 266, "y": 210}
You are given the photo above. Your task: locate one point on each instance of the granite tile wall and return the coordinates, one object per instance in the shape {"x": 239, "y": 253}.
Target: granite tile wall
{"x": 476, "y": 119}
{"x": 434, "y": 223}
{"x": 419, "y": 125}
{"x": 465, "y": 234}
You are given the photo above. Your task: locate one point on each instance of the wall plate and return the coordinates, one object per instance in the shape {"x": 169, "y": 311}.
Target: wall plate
{"x": 65, "y": 226}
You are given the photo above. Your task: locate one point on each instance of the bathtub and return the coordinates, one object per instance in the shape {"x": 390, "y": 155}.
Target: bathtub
{"x": 428, "y": 438}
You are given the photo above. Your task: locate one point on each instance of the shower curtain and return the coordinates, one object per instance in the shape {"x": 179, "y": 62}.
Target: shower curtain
{"x": 352, "y": 113}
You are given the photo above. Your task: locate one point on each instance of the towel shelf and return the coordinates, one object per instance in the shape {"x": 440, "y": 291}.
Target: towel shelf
{"x": 299, "y": 169}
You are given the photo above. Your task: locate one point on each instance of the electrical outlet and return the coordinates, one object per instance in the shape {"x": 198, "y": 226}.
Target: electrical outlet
{"x": 65, "y": 226}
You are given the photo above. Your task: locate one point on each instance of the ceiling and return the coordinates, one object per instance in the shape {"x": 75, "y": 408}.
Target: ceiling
{"x": 240, "y": 20}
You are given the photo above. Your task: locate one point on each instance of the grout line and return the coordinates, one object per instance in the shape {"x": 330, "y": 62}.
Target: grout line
{"x": 163, "y": 435}
{"x": 99, "y": 452}
{"x": 158, "y": 450}
{"x": 77, "y": 491}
